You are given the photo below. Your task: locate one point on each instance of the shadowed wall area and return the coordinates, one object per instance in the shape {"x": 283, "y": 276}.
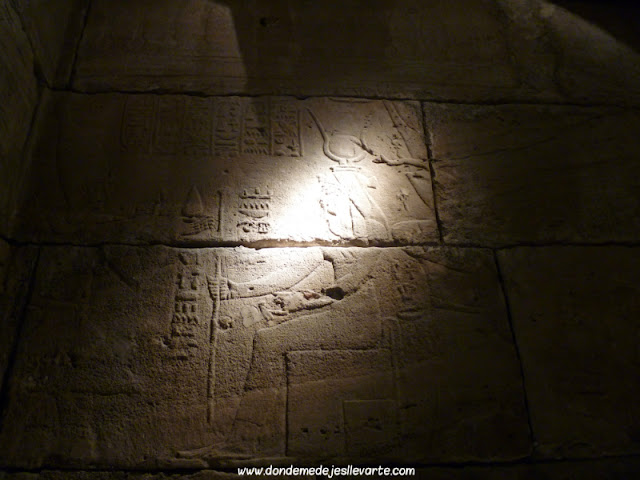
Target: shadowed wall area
{"x": 244, "y": 234}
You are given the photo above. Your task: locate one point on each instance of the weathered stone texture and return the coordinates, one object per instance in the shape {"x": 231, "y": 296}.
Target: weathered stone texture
{"x": 188, "y": 358}
{"x": 18, "y": 98}
{"x": 406, "y": 48}
{"x": 53, "y": 29}
{"x": 181, "y": 169}
{"x": 173, "y": 359}
{"x": 502, "y": 50}
{"x": 593, "y": 66}
{"x": 16, "y": 266}
{"x": 563, "y": 55}
{"x": 524, "y": 173}
{"x": 575, "y": 318}
{"x": 534, "y": 55}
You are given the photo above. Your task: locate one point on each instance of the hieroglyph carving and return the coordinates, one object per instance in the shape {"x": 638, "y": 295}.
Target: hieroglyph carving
{"x": 254, "y": 209}
{"x": 225, "y": 127}
{"x": 285, "y": 129}
{"x": 187, "y": 318}
{"x": 255, "y": 132}
{"x": 322, "y": 305}
{"x": 194, "y": 217}
{"x": 137, "y": 124}
{"x": 228, "y": 127}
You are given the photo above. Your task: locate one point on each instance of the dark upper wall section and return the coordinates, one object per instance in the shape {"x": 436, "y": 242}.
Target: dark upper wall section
{"x": 39, "y": 40}
{"x": 502, "y": 50}
{"x": 53, "y": 29}
{"x": 620, "y": 18}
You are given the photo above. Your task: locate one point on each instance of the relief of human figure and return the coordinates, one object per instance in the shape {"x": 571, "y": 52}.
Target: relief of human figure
{"x": 324, "y": 299}
{"x": 319, "y": 300}
{"x": 351, "y": 198}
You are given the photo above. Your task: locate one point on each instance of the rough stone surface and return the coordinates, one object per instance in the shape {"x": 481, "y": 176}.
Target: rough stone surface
{"x": 18, "y": 97}
{"x": 407, "y": 48}
{"x": 593, "y": 66}
{"x": 578, "y": 52}
{"x": 53, "y": 29}
{"x": 575, "y": 317}
{"x": 535, "y": 56}
{"x": 187, "y": 358}
{"x": 182, "y": 169}
{"x": 16, "y": 267}
{"x": 523, "y": 173}
{"x": 504, "y": 50}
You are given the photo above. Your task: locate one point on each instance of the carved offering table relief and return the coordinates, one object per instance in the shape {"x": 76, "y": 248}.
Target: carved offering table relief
{"x": 189, "y": 170}
{"x": 192, "y": 357}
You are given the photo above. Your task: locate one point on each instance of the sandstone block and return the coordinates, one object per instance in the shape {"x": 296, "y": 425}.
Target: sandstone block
{"x": 406, "y": 49}
{"x": 579, "y": 346}
{"x": 191, "y": 170}
{"x": 188, "y": 358}
{"x": 595, "y": 63}
{"x": 511, "y": 174}
{"x": 573, "y": 51}
{"x": 534, "y": 54}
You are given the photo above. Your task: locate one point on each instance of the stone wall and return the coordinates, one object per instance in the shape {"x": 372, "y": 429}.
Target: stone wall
{"x": 295, "y": 234}
{"x": 18, "y": 99}
{"x": 39, "y": 41}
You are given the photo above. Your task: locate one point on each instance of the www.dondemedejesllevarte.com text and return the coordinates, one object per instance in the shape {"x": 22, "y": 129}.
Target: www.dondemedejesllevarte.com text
{"x": 329, "y": 472}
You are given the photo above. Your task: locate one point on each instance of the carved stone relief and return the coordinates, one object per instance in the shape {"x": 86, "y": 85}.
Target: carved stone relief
{"x": 254, "y": 209}
{"x": 227, "y": 126}
{"x": 194, "y": 356}
{"x": 195, "y": 219}
{"x": 168, "y": 168}
{"x": 187, "y": 318}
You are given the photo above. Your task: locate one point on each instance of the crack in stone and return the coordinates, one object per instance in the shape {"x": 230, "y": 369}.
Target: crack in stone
{"x": 514, "y": 341}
